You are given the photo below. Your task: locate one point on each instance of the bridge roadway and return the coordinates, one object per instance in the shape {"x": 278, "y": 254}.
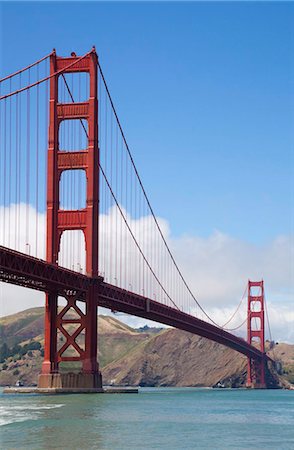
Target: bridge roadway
{"x": 23, "y": 270}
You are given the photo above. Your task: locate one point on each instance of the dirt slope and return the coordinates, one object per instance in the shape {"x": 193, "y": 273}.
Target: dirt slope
{"x": 127, "y": 356}
{"x": 177, "y": 358}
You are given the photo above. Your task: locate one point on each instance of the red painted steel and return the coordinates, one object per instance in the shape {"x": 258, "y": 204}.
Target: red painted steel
{"x": 122, "y": 300}
{"x": 27, "y": 271}
{"x": 46, "y": 276}
{"x": 256, "y": 368}
{"x": 20, "y": 269}
{"x": 72, "y": 160}
{"x": 86, "y": 219}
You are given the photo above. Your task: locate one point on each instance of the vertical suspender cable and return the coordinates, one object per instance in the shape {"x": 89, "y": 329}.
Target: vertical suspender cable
{"x": 37, "y": 165}
{"x": 21, "y": 168}
{"x": 16, "y": 173}
{"x": 10, "y": 166}
{"x": 28, "y": 168}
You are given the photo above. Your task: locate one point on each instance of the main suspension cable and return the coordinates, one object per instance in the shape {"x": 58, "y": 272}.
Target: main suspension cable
{"x": 268, "y": 324}
{"x": 25, "y": 68}
{"x": 122, "y": 214}
{"x": 235, "y": 312}
{"x": 148, "y": 202}
{"x": 46, "y": 78}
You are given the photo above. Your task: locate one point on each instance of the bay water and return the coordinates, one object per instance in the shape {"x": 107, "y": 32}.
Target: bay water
{"x": 156, "y": 418}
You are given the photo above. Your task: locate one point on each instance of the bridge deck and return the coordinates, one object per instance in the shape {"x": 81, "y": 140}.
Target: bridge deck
{"x": 23, "y": 270}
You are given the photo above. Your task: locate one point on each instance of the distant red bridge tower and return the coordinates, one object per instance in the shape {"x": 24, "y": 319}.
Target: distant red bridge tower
{"x": 255, "y": 334}
{"x": 59, "y": 221}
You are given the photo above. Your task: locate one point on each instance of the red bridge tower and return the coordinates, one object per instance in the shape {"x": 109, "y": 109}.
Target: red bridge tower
{"x": 255, "y": 333}
{"x": 59, "y": 220}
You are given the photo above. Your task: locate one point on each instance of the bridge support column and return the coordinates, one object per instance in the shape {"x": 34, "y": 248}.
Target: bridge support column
{"x": 256, "y": 374}
{"x": 256, "y": 368}
{"x": 50, "y": 364}
{"x": 70, "y": 334}
{"x": 90, "y": 365}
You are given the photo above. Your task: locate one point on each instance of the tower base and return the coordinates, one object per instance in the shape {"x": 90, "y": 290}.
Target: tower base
{"x": 70, "y": 381}
{"x": 256, "y": 386}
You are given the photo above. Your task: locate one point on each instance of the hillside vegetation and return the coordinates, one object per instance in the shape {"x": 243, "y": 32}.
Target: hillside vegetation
{"x": 145, "y": 357}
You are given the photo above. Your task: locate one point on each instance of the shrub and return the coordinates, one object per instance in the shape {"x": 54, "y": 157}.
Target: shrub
{"x": 4, "y": 367}
{"x": 15, "y": 349}
{"x": 16, "y": 372}
{"x": 4, "y": 352}
{"x": 35, "y": 345}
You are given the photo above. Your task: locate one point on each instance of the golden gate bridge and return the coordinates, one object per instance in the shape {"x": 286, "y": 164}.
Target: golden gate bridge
{"x": 76, "y": 223}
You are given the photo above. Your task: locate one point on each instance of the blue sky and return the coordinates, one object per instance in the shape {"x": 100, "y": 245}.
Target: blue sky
{"x": 205, "y": 94}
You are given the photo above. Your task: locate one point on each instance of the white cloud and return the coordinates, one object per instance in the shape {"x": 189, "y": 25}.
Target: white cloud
{"x": 216, "y": 268}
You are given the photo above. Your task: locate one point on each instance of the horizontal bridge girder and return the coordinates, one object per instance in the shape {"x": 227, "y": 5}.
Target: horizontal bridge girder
{"x": 255, "y": 298}
{"x": 23, "y": 270}
{"x": 121, "y": 300}
{"x": 256, "y": 333}
{"x": 66, "y": 111}
{"x": 255, "y": 283}
{"x": 257, "y": 314}
{"x": 72, "y": 220}
{"x": 69, "y": 358}
{"x": 72, "y": 160}
{"x": 81, "y": 66}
